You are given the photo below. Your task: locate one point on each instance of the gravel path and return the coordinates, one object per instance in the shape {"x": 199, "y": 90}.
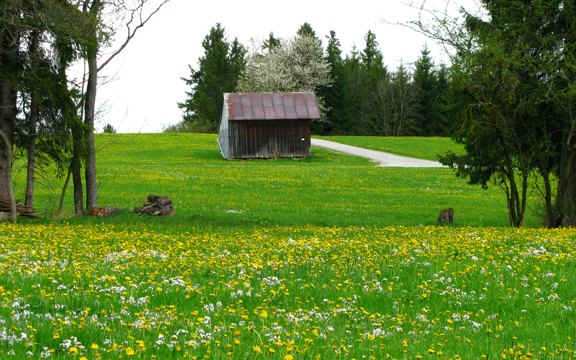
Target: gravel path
{"x": 382, "y": 158}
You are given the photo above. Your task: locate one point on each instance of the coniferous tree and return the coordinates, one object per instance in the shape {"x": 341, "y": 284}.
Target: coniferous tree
{"x": 218, "y": 72}
{"x": 425, "y": 84}
{"x": 445, "y": 122}
{"x": 373, "y": 73}
{"x": 271, "y": 44}
{"x": 400, "y": 104}
{"x": 352, "y": 94}
{"x": 306, "y": 30}
{"x": 237, "y": 61}
{"x": 334, "y": 95}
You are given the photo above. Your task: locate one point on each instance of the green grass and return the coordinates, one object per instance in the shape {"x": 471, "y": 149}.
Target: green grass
{"x": 304, "y": 292}
{"x": 419, "y": 147}
{"x": 326, "y": 189}
{"x": 329, "y": 257}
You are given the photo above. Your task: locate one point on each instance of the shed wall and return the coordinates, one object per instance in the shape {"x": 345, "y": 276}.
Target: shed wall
{"x": 269, "y": 138}
{"x": 223, "y": 135}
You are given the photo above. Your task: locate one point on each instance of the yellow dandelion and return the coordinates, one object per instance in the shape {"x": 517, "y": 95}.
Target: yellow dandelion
{"x": 256, "y": 349}
{"x": 130, "y": 351}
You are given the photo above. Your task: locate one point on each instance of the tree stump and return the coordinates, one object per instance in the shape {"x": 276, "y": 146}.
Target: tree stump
{"x": 446, "y": 217}
{"x": 156, "y": 206}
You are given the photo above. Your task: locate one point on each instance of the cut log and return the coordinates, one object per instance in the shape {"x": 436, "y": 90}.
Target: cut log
{"x": 21, "y": 210}
{"x": 104, "y": 211}
{"x": 156, "y": 206}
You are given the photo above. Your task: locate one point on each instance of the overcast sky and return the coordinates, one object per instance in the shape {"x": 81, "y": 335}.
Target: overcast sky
{"x": 143, "y": 85}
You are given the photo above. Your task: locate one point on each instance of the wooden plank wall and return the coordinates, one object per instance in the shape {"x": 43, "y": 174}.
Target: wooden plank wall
{"x": 267, "y": 139}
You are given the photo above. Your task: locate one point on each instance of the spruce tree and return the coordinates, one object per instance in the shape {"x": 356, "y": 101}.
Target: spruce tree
{"x": 306, "y": 30}
{"x": 271, "y": 44}
{"x": 430, "y": 120}
{"x": 218, "y": 72}
{"x": 401, "y": 104}
{"x": 374, "y": 74}
{"x": 352, "y": 94}
{"x": 334, "y": 95}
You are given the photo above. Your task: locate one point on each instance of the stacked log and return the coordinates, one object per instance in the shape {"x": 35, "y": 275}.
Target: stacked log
{"x": 156, "y": 206}
{"x": 21, "y": 210}
{"x": 104, "y": 211}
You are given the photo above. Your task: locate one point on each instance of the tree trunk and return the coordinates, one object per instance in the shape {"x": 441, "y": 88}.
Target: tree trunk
{"x": 8, "y": 49}
{"x": 31, "y": 166}
{"x": 6, "y": 129}
{"x": 89, "y": 114}
{"x": 551, "y": 220}
{"x": 566, "y": 199}
{"x": 32, "y": 123}
{"x": 76, "y": 169}
{"x": 90, "y": 107}
{"x": 516, "y": 198}
{"x": 6, "y": 189}
{"x": 30, "y": 173}
{"x": 63, "y": 194}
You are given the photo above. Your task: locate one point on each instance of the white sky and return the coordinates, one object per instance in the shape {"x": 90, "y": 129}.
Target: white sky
{"x": 143, "y": 85}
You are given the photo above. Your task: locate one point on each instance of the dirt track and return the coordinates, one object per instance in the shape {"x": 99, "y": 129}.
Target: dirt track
{"x": 382, "y": 158}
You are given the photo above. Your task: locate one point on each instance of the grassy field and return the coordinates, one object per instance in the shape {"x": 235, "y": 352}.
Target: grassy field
{"x": 324, "y": 258}
{"x": 306, "y": 292}
{"x": 327, "y": 189}
{"x": 419, "y": 147}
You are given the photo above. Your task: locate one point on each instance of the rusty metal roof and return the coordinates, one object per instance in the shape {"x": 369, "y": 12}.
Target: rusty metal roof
{"x": 272, "y": 106}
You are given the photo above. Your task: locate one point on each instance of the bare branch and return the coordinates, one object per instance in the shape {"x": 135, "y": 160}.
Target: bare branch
{"x": 131, "y": 32}
{"x": 443, "y": 25}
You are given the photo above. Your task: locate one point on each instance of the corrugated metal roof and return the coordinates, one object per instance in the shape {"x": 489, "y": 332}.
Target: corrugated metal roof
{"x": 272, "y": 106}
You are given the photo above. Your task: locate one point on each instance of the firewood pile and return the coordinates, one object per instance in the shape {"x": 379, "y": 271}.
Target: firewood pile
{"x": 21, "y": 210}
{"x": 104, "y": 211}
{"x": 156, "y": 206}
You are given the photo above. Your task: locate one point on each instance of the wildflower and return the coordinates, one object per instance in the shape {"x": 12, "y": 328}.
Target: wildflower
{"x": 130, "y": 351}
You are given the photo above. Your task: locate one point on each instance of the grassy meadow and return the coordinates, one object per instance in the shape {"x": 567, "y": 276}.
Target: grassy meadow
{"x": 326, "y": 189}
{"x": 324, "y": 258}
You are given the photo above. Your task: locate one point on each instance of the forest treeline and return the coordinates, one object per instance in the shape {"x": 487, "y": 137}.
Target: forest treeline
{"x": 358, "y": 93}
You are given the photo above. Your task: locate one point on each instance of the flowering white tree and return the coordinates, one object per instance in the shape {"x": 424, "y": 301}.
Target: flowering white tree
{"x": 296, "y": 65}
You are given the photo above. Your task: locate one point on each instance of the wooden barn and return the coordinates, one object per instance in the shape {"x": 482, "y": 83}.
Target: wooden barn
{"x": 266, "y": 125}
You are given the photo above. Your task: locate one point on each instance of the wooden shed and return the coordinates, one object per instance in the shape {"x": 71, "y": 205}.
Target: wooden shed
{"x": 267, "y": 125}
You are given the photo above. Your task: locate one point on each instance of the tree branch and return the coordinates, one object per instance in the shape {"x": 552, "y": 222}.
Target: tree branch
{"x": 131, "y": 32}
